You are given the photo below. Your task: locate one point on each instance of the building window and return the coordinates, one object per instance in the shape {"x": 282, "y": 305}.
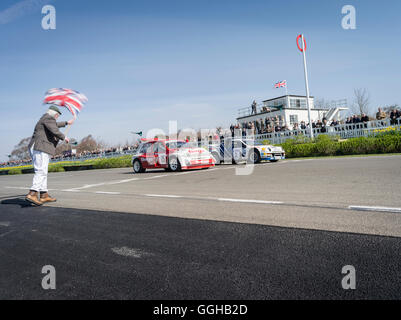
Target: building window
{"x": 293, "y": 119}
{"x": 298, "y": 103}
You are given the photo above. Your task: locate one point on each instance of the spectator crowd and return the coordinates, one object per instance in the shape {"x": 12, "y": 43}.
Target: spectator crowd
{"x": 277, "y": 124}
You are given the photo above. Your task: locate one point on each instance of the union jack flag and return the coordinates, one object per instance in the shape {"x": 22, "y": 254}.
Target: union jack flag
{"x": 71, "y": 99}
{"x": 281, "y": 84}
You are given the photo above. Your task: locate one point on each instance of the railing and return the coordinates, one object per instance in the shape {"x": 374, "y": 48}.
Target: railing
{"x": 344, "y": 131}
{"x": 260, "y": 108}
{"x": 243, "y": 112}
{"x": 94, "y": 156}
{"x": 80, "y": 158}
{"x": 247, "y": 111}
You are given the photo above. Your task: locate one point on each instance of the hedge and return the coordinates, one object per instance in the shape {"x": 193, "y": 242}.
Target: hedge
{"x": 323, "y": 145}
{"x": 121, "y": 162}
{"x": 106, "y": 163}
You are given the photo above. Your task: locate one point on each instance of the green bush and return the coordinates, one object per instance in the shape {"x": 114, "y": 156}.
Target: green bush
{"x": 56, "y": 168}
{"x": 15, "y": 171}
{"x": 121, "y": 162}
{"x": 323, "y": 145}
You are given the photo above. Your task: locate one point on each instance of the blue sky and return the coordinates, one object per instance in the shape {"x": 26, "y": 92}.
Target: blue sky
{"x": 143, "y": 63}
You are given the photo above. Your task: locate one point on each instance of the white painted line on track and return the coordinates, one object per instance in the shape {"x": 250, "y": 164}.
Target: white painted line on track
{"x": 380, "y": 209}
{"x": 153, "y": 177}
{"x": 107, "y": 192}
{"x": 126, "y": 180}
{"x": 131, "y": 252}
{"x": 87, "y": 186}
{"x": 5, "y": 223}
{"x": 249, "y": 201}
{"x": 163, "y": 195}
{"x": 6, "y": 233}
{"x": 27, "y": 188}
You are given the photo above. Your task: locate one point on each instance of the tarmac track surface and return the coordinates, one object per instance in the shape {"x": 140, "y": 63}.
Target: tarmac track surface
{"x": 284, "y": 231}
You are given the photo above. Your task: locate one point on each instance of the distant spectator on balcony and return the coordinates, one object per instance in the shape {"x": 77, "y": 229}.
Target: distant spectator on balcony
{"x": 356, "y": 119}
{"x": 303, "y": 125}
{"x": 267, "y": 122}
{"x": 257, "y": 126}
{"x": 364, "y": 118}
{"x": 262, "y": 125}
{"x": 253, "y": 106}
{"x": 394, "y": 115}
{"x": 381, "y": 115}
{"x": 324, "y": 126}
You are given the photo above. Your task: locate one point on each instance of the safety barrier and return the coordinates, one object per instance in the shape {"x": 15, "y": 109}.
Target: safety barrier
{"x": 344, "y": 131}
{"x": 101, "y": 155}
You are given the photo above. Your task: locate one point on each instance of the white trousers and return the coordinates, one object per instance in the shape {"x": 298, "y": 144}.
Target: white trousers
{"x": 41, "y": 165}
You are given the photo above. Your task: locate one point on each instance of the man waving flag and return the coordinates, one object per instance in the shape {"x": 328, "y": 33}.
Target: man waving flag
{"x": 47, "y": 135}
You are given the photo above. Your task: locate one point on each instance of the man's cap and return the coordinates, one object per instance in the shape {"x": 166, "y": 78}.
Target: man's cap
{"x": 55, "y": 108}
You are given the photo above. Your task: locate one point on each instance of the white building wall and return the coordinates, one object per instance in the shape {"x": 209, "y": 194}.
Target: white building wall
{"x": 303, "y": 115}
{"x": 285, "y": 114}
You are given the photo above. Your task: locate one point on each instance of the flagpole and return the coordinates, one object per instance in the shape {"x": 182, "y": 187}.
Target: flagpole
{"x": 307, "y": 86}
{"x": 69, "y": 126}
{"x": 66, "y": 130}
{"x": 286, "y": 93}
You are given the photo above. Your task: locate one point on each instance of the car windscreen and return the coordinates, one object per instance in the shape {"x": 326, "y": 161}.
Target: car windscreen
{"x": 252, "y": 143}
{"x": 177, "y": 144}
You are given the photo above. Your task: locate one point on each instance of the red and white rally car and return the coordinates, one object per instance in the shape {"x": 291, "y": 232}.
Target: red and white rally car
{"x": 172, "y": 155}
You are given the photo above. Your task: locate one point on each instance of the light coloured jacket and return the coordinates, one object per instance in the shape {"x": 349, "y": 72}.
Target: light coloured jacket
{"x": 47, "y": 135}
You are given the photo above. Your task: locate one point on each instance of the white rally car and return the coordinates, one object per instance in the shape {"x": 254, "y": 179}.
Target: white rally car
{"x": 237, "y": 150}
{"x": 172, "y": 155}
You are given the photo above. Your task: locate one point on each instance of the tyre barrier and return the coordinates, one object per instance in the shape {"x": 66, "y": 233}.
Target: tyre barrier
{"x": 29, "y": 170}
{"x": 78, "y": 168}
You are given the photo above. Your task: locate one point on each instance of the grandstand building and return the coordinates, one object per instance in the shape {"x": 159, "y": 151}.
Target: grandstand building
{"x": 292, "y": 109}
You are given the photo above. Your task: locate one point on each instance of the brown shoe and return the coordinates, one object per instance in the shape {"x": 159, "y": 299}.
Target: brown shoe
{"x": 44, "y": 197}
{"x": 32, "y": 197}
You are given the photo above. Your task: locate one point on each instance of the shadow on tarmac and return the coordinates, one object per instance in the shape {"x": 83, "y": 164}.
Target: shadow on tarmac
{"x": 17, "y": 201}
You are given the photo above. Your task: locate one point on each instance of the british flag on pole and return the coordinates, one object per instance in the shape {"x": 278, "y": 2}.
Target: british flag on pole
{"x": 281, "y": 84}
{"x": 71, "y": 99}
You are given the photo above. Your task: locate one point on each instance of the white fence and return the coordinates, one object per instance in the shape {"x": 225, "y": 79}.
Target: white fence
{"x": 344, "y": 131}
{"x": 80, "y": 158}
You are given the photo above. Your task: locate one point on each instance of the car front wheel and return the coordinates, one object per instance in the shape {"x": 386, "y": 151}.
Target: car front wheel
{"x": 174, "y": 165}
{"x": 138, "y": 166}
{"x": 254, "y": 157}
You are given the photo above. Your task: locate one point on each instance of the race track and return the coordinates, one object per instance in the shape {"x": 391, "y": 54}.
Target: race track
{"x": 236, "y": 233}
